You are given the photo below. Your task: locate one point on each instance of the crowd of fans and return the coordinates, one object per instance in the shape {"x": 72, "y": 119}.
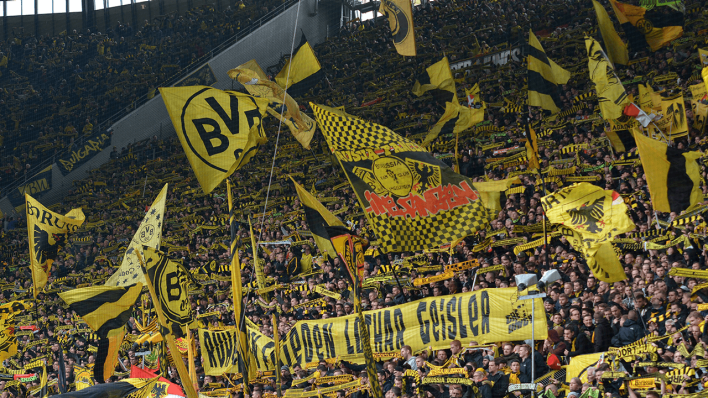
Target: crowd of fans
{"x": 57, "y": 89}
{"x": 584, "y": 315}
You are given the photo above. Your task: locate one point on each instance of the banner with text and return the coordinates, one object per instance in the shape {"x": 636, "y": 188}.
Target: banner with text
{"x": 96, "y": 143}
{"x": 484, "y": 316}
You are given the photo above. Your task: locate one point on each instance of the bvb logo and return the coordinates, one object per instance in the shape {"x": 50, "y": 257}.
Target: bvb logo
{"x": 644, "y": 26}
{"x": 216, "y": 126}
{"x": 173, "y": 292}
{"x": 146, "y": 233}
{"x": 399, "y": 23}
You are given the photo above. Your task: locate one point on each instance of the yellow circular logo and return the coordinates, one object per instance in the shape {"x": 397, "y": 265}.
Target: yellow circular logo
{"x": 393, "y": 174}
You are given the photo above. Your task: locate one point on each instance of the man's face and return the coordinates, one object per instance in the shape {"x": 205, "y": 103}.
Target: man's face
{"x": 574, "y": 385}
{"x": 492, "y": 367}
{"x": 567, "y": 335}
{"x": 508, "y": 349}
{"x": 456, "y": 393}
{"x": 442, "y": 356}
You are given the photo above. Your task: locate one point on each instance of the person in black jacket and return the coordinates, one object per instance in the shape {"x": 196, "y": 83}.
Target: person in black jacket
{"x": 499, "y": 378}
{"x": 483, "y": 385}
{"x": 539, "y": 364}
{"x": 630, "y": 330}
{"x": 602, "y": 335}
{"x": 579, "y": 342}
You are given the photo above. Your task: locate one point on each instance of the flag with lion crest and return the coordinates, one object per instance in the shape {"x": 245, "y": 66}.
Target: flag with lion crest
{"x": 48, "y": 232}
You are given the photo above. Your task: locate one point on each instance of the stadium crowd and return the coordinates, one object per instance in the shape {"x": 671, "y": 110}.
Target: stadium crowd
{"x": 584, "y": 315}
{"x": 56, "y": 89}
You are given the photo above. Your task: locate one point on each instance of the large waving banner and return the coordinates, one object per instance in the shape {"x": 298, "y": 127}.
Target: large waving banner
{"x": 484, "y": 316}
{"x": 95, "y": 144}
{"x": 36, "y": 186}
{"x": 220, "y": 350}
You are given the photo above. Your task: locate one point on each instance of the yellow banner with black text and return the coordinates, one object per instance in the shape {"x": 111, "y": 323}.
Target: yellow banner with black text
{"x": 484, "y": 316}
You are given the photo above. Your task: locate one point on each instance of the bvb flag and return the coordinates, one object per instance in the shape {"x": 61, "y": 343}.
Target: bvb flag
{"x": 641, "y": 30}
{"x": 318, "y": 218}
{"x": 437, "y": 79}
{"x": 590, "y": 217}
{"x": 219, "y": 130}
{"x": 412, "y": 200}
{"x": 106, "y": 310}
{"x": 674, "y": 111}
{"x": 257, "y": 84}
{"x": 47, "y": 231}
{"x": 616, "y": 49}
{"x": 610, "y": 92}
{"x": 350, "y": 249}
{"x": 149, "y": 234}
{"x": 621, "y": 139}
{"x": 400, "y": 20}
{"x": 544, "y": 76}
{"x": 673, "y": 176}
{"x": 302, "y": 72}
{"x": 457, "y": 118}
{"x": 170, "y": 281}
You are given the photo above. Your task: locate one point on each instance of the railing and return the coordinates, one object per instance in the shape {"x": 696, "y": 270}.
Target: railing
{"x": 181, "y": 74}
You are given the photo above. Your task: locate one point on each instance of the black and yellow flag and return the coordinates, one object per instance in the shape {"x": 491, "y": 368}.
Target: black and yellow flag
{"x": 301, "y": 72}
{"x": 610, "y": 92}
{"x": 43, "y": 391}
{"x": 400, "y": 20}
{"x": 257, "y": 84}
{"x": 245, "y": 358}
{"x": 318, "y": 218}
{"x": 673, "y": 176}
{"x": 48, "y": 231}
{"x": 350, "y": 249}
{"x": 8, "y": 340}
{"x": 437, "y": 79}
{"x": 457, "y": 118}
{"x": 544, "y": 76}
{"x": 412, "y": 200}
{"x": 126, "y": 388}
{"x": 219, "y": 130}
{"x": 171, "y": 283}
{"x": 532, "y": 148}
{"x": 616, "y": 49}
{"x": 620, "y": 137}
{"x": 591, "y": 217}
{"x": 106, "y": 310}
{"x": 674, "y": 110}
{"x": 641, "y": 31}
{"x": 149, "y": 233}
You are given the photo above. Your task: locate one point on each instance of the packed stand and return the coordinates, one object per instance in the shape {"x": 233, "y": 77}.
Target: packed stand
{"x": 584, "y": 315}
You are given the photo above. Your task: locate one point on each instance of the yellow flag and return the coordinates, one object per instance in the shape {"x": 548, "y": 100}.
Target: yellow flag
{"x": 703, "y": 56}
{"x": 674, "y": 110}
{"x": 437, "y": 79}
{"x": 301, "y": 72}
{"x": 616, "y": 49}
{"x": 400, "y": 20}
{"x": 532, "y": 148}
{"x": 8, "y": 341}
{"x": 704, "y": 74}
{"x": 457, "y": 118}
{"x": 645, "y": 97}
{"x": 590, "y": 217}
{"x": 544, "y": 76}
{"x": 148, "y": 234}
{"x": 490, "y": 192}
{"x": 219, "y": 130}
{"x": 47, "y": 231}
{"x": 673, "y": 176}
{"x": 700, "y": 114}
{"x": 257, "y": 84}
{"x": 610, "y": 92}
{"x": 698, "y": 91}
{"x": 655, "y": 37}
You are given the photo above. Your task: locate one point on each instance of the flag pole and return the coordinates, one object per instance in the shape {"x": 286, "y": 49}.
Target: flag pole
{"x": 237, "y": 293}
{"x": 179, "y": 364}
